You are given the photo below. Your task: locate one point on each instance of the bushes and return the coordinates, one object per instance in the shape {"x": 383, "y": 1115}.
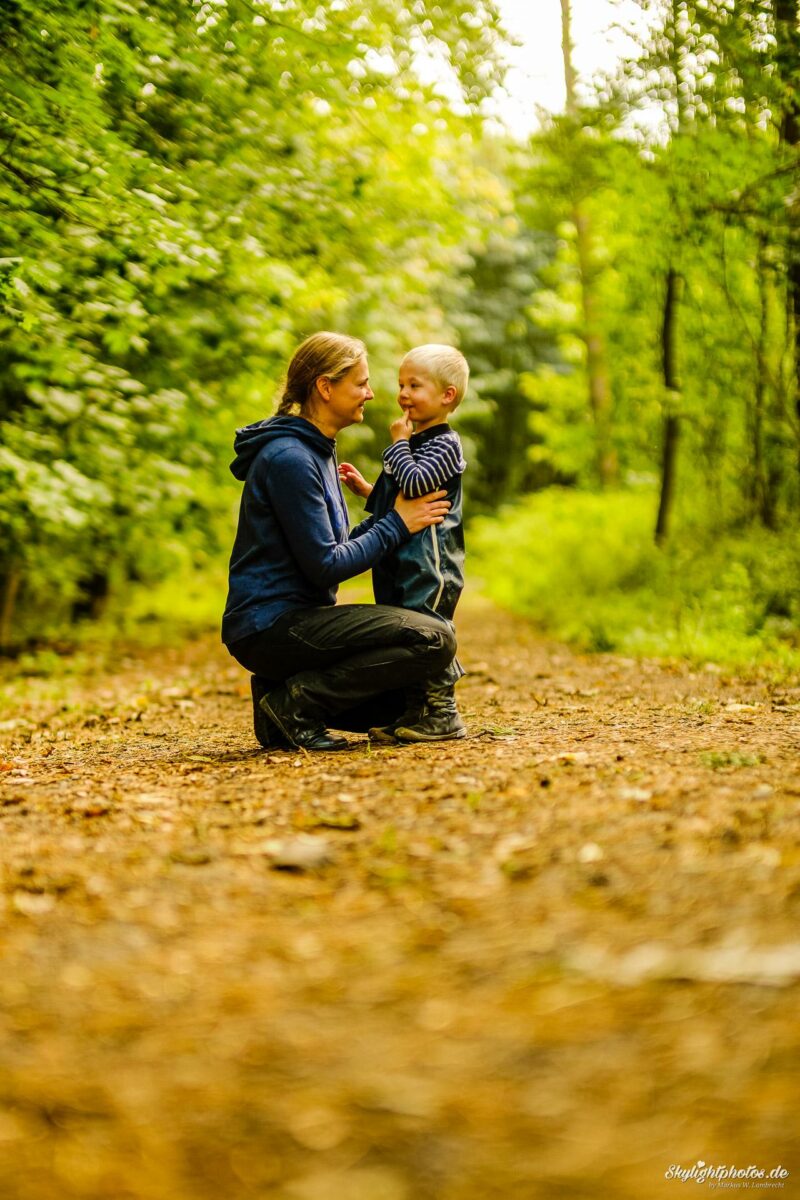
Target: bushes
{"x": 584, "y": 568}
{"x": 179, "y": 208}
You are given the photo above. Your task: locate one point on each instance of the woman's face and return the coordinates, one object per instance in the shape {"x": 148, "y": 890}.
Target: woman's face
{"x": 346, "y": 398}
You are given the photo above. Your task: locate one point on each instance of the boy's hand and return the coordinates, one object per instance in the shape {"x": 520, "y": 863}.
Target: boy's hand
{"x": 354, "y": 480}
{"x": 401, "y": 429}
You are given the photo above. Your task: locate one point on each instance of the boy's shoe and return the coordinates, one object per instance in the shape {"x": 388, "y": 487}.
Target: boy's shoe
{"x": 383, "y": 734}
{"x": 440, "y": 720}
{"x": 433, "y": 727}
{"x": 302, "y": 732}
{"x": 414, "y": 708}
{"x": 267, "y": 733}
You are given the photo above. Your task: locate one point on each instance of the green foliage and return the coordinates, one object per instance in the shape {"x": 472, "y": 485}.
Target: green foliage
{"x": 707, "y": 196}
{"x": 188, "y": 190}
{"x": 584, "y": 567}
{"x": 504, "y": 344}
{"x": 185, "y": 192}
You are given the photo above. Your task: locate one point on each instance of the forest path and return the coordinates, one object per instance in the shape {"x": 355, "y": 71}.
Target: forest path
{"x": 547, "y": 961}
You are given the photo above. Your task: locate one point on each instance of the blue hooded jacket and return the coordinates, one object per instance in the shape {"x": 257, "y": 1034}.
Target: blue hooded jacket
{"x": 292, "y": 546}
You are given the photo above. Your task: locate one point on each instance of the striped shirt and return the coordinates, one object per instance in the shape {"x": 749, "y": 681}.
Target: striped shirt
{"x": 427, "y": 467}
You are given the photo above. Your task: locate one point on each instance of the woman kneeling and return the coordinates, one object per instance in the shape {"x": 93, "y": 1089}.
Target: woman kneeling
{"x": 315, "y": 662}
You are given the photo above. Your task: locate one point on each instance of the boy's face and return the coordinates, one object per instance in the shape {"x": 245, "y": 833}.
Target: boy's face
{"x": 421, "y": 398}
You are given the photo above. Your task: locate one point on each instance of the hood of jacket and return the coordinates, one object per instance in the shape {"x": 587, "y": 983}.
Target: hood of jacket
{"x": 250, "y": 440}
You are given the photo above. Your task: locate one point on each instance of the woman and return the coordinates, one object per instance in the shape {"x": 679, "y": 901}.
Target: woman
{"x": 310, "y": 658}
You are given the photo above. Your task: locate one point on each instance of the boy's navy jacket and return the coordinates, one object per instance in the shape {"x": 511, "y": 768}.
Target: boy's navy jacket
{"x": 426, "y": 572}
{"x": 292, "y": 545}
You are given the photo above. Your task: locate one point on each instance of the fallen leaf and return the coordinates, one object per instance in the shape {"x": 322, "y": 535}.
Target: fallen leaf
{"x": 301, "y": 853}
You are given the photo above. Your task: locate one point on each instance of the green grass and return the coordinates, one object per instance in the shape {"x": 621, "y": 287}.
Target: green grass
{"x": 584, "y": 568}
{"x": 141, "y": 616}
{"x": 718, "y": 760}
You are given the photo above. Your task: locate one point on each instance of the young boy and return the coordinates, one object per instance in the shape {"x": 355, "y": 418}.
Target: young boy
{"x": 425, "y": 573}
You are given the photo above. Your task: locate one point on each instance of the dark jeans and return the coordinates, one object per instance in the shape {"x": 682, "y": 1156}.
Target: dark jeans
{"x": 347, "y": 664}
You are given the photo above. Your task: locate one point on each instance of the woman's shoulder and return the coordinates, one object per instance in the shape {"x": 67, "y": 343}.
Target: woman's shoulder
{"x": 286, "y": 461}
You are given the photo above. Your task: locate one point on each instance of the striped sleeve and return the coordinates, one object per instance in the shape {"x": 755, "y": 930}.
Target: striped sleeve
{"x": 426, "y": 469}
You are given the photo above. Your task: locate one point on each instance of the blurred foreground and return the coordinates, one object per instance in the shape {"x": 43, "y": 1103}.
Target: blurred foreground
{"x": 551, "y": 961}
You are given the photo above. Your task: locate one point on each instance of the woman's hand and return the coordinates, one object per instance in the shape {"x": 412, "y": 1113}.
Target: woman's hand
{"x": 354, "y": 480}
{"x": 426, "y": 510}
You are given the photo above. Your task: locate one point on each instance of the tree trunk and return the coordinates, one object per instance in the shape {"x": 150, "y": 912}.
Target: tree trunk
{"x": 671, "y": 433}
{"x": 596, "y": 359}
{"x": 769, "y": 408}
{"x": 10, "y": 589}
{"x": 570, "y": 77}
{"x": 757, "y": 490}
{"x": 672, "y": 294}
{"x": 787, "y": 37}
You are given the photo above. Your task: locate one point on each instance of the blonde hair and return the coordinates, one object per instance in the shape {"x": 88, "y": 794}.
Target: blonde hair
{"x": 324, "y": 353}
{"x": 446, "y": 366}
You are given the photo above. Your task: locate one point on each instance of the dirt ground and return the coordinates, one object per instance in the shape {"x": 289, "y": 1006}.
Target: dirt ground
{"x": 553, "y": 960}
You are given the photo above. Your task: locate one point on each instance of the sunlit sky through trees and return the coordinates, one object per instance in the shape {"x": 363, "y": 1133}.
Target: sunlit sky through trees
{"x": 536, "y": 76}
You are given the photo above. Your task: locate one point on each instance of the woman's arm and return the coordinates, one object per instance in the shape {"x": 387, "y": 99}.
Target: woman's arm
{"x": 297, "y": 495}
{"x": 359, "y": 530}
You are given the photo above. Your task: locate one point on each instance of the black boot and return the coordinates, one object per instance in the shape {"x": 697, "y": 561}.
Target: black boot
{"x": 303, "y": 732}
{"x": 440, "y": 720}
{"x": 412, "y": 712}
{"x": 267, "y": 733}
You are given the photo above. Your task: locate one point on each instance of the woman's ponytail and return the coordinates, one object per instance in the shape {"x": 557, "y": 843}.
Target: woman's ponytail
{"x": 288, "y": 404}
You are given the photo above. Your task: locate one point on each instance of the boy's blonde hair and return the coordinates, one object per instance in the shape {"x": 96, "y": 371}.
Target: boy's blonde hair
{"x": 446, "y": 366}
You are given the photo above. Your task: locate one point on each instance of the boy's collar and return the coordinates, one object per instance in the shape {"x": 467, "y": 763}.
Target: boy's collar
{"x": 433, "y": 431}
